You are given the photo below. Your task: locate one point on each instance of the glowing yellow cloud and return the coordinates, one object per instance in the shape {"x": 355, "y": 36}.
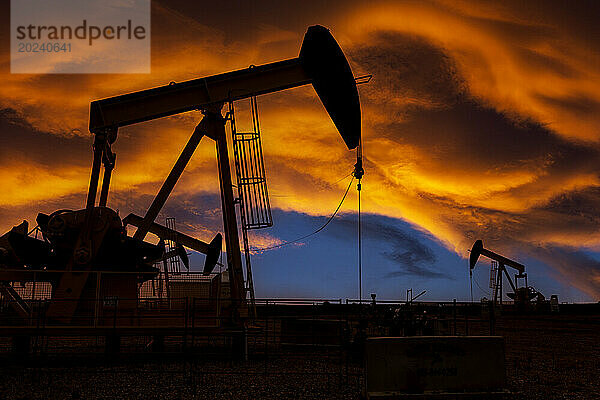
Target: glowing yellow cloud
{"x": 511, "y": 67}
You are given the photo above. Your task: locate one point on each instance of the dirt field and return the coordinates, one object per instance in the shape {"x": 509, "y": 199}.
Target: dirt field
{"x": 181, "y": 380}
{"x": 553, "y": 357}
{"x": 547, "y": 357}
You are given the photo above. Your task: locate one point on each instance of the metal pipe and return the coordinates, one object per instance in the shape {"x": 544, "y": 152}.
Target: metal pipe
{"x": 165, "y": 233}
{"x": 105, "y": 185}
{"x": 232, "y": 242}
{"x": 510, "y": 281}
{"x": 195, "y": 94}
{"x": 93, "y": 189}
{"x": 503, "y": 260}
{"x": 171, "y": 180}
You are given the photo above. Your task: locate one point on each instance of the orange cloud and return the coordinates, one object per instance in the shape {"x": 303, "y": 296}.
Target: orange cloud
{"x": 521, "y": 67}
{"x": 479, "y": 123}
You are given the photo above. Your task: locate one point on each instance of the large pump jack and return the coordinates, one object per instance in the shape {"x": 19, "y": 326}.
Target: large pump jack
{"x": 94, "y": 238}
{"x": 521, "y": 295}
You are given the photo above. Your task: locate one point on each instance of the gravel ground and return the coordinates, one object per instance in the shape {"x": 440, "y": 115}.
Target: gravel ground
{"x": 546, "y": 358}
{"x": 298, "y": 379}
{"x": 553, "y": 358}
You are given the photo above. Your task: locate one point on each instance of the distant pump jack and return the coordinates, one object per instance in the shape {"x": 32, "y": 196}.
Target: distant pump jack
{"x": 521, "y": 295}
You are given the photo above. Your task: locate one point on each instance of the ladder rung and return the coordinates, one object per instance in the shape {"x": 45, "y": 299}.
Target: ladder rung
{"x": 251, "y": 180}
{"x": 245, "y": 136}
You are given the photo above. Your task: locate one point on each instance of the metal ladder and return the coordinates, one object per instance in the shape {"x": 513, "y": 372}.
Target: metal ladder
{"x": 253, "y": 197}
{"x": 493, "y": 274}
{"x": 173, "y": 260}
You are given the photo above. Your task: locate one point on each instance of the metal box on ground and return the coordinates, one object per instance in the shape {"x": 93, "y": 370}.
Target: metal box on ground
{"x": 435, "y": 367}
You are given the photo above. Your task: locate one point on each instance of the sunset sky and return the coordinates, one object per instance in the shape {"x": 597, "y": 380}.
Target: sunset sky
{"x": 482, "y": 121}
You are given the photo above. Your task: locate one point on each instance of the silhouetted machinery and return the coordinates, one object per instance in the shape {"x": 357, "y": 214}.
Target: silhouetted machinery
{"x": 521, "y": 295}
{"x": 75, "y": 243}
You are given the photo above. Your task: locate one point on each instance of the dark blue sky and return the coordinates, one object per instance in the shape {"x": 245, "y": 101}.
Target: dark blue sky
{"x": 396, "y": 256}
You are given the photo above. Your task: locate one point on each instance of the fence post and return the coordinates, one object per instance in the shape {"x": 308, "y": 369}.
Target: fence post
{"x": 193, "y": 320}
{"x": 37, "y": 326}
{"x": 116, "y": 304}
{"x": 185, "y": 323}
{"x": 97, "y": 305}
{"x": 454, "y": 314}
{"x": 31, "y": 310}
{"x": 492, "y": 318}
